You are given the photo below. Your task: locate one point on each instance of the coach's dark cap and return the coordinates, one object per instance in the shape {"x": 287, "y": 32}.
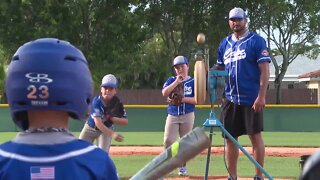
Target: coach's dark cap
{"x": 237, "y": 13}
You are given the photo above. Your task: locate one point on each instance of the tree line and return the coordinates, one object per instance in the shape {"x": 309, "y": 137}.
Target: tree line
{"x": 136, "y": 40}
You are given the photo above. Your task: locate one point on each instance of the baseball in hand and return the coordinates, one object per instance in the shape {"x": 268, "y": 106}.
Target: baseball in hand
{"x": 201, "y": 38}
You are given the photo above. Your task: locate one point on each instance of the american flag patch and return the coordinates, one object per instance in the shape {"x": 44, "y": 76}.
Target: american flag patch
{"x": 42, "y": 172}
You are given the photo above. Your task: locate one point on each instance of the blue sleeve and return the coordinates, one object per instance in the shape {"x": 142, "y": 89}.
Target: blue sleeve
{"x": 169, "y": 81}
{"x": 221, "y": 50}
{"x": 96, "y": 109}
{"x": 262, "y": 52}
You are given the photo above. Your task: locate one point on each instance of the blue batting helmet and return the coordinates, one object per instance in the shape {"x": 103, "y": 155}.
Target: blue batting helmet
{"x": 48, "y": 74}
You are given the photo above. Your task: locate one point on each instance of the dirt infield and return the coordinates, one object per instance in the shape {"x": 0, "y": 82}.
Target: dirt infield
{"x": 155, "y": 150}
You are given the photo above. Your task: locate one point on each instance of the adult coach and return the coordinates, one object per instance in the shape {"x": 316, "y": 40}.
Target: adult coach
{"x": 245, "y": 56}
{"x": 48, "y": 81}
{"x": 181, "y": 106}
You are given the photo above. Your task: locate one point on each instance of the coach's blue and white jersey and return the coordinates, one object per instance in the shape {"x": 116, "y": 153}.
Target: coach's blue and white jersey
{"x": 183, "y": 108}
{"x": 241, "y": 59}
{"x": 54, "y": 155}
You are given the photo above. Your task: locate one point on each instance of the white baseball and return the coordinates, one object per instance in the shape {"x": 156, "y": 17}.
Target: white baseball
{"x": 201, "y": 38}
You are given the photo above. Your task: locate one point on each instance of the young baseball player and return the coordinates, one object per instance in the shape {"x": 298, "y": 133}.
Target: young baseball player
{"x": 43, "y": 91}
{"x": 181, "y": 107}
{"x": 106, "y": 110}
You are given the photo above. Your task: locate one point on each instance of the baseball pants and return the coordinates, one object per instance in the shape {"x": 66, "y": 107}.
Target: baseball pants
{"x": 177, "y": 125}
{"x": 90, "y": 134}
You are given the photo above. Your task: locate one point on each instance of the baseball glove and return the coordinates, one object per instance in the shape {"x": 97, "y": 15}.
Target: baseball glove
{"x": 175, "y": 97}
{"x": 114, "y": 109}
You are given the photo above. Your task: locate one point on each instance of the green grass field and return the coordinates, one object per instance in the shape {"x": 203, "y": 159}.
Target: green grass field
{"x": 279, "y": 139}
{"x": 278, "y": 167}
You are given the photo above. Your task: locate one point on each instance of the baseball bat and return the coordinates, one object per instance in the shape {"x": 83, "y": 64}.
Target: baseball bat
{"x": 174, "y": 156}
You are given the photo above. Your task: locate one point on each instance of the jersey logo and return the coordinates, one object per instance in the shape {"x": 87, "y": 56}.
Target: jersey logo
{"x": 38, "y": 78}
{"x": 187, "y": 90}
{"x": 232, "y": 56}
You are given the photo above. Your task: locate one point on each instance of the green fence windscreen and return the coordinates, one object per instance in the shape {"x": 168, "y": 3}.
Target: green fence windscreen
{"x": 300, "y": 119}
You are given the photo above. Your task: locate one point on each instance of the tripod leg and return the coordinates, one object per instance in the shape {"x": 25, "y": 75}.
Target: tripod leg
{"x": 245, "y": 152}
{"x": 208, "y": 155}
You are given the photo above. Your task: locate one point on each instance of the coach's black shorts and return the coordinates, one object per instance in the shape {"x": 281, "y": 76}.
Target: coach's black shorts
{"x": 239, "y": 119}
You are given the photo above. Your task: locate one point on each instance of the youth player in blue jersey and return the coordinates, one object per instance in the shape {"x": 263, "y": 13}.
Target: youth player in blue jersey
{"x": 245, "y": 56}
{"x": 180, "y": 117}
{"x": 48, "y": 81}
{"x": 106, "y": 110}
